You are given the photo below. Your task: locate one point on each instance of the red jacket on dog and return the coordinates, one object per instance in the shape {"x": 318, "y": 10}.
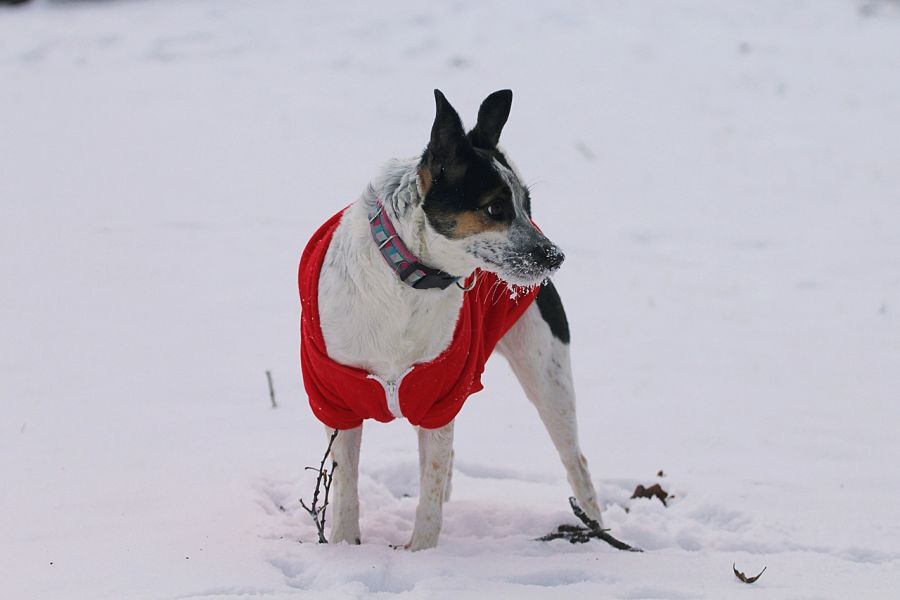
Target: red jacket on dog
{"x": 432, "y": 393}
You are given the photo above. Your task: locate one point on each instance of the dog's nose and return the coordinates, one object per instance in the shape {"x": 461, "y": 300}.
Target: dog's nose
{"x": 548, "y": 256}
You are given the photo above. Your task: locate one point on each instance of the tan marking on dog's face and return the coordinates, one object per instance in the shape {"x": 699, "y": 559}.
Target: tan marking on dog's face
{"x": 465, "y": 223}
{"x": 425, "y": 181}
{"x": 475, "y": 222}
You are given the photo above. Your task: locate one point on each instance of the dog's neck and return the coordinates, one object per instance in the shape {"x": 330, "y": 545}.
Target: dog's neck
{"x": 370, "y": 319}
{"x": 399, "y": 189}
{"x": 400, "y": 259}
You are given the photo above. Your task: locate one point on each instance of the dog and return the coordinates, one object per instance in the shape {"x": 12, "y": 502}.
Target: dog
{"x": 407, "y": 292}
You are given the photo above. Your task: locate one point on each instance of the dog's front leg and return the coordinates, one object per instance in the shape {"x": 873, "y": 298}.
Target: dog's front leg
{"x": 540, "y": 360}
{"x": 345, "y": 502}
{"x": 435, "y": 451}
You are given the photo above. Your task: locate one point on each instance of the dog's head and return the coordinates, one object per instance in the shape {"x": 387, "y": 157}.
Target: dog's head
{"x": 477, "y": 210}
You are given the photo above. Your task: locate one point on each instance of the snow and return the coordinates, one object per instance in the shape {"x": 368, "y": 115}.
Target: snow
{"x": 722, "y": 176}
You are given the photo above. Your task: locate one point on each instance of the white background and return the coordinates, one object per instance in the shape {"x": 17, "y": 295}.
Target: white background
{"x": 725, "y": 180}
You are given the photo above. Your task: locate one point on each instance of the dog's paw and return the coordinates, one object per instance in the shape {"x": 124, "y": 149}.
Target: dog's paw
{"x": 344, "y": 537}
{"x": 352, "y": 542}
{"x": 422, "y": 540}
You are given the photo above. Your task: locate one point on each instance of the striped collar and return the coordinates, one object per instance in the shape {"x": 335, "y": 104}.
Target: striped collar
{"x": 398, "y": 257}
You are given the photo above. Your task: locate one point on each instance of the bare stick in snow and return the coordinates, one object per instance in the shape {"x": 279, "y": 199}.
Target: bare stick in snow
{"x": 580, "y": 535}
{"x": 323, "y": 481}
{"x": 271, "y": 389}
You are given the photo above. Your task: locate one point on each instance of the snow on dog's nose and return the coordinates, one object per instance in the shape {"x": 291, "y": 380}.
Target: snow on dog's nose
{"x": 547, "y": 257}
{"x": 530, "y": 257}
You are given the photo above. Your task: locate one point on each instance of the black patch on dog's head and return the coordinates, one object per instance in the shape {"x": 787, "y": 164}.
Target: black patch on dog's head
{"x": 461, "y": 178}
{"x": 492, "y": 116}
{"x": 462, "y": 181}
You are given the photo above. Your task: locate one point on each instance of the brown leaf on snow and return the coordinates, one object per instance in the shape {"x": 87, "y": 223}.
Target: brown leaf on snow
{"x": 660, "y": 473}
{"x": 654, "y": 491}
{"x": 743, "y": 577}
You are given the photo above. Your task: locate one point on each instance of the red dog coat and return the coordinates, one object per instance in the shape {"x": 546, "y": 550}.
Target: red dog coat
{"x": 432, "y": 393}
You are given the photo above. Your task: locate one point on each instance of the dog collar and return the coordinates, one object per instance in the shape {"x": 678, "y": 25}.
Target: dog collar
{"x": 398, "y": 257}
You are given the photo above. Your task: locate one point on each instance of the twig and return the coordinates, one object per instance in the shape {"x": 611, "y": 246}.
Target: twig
{"x": 580, "y": 535}
{"x": 594, "y": 526}
{"x": 271, "y": 389}
{"x": 324, "y": 477}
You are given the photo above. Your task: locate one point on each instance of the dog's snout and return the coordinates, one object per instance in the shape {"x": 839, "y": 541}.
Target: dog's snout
{"x": 548, "y": 256}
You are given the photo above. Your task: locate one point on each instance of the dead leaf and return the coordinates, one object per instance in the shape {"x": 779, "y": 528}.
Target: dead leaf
{"x": 743, "y": 577}
{"x": 654, "y": 491}
{"x": 660, "y": 473}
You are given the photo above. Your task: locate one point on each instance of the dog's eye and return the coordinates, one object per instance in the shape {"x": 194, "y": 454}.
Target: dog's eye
{"x": 495, "y": 210}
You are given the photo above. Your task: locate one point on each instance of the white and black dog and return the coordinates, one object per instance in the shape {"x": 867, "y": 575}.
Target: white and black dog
{"x": 388, "y": 284}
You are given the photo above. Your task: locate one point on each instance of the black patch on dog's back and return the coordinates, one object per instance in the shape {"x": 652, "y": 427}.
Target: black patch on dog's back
{"x": 552, "y": 311}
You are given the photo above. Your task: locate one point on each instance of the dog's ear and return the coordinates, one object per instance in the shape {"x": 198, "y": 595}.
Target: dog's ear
{"x": 492, "y": 117}
{"x": 447, "y": 150}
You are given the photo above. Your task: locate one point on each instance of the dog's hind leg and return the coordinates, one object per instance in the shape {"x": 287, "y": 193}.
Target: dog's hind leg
{"x": 435, "y": 456}
{"x": 537, "y": 348}
{"x": 345, "y": 490}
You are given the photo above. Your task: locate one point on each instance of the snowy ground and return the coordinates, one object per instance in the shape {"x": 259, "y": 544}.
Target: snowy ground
{"x": 725, "y": 179}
